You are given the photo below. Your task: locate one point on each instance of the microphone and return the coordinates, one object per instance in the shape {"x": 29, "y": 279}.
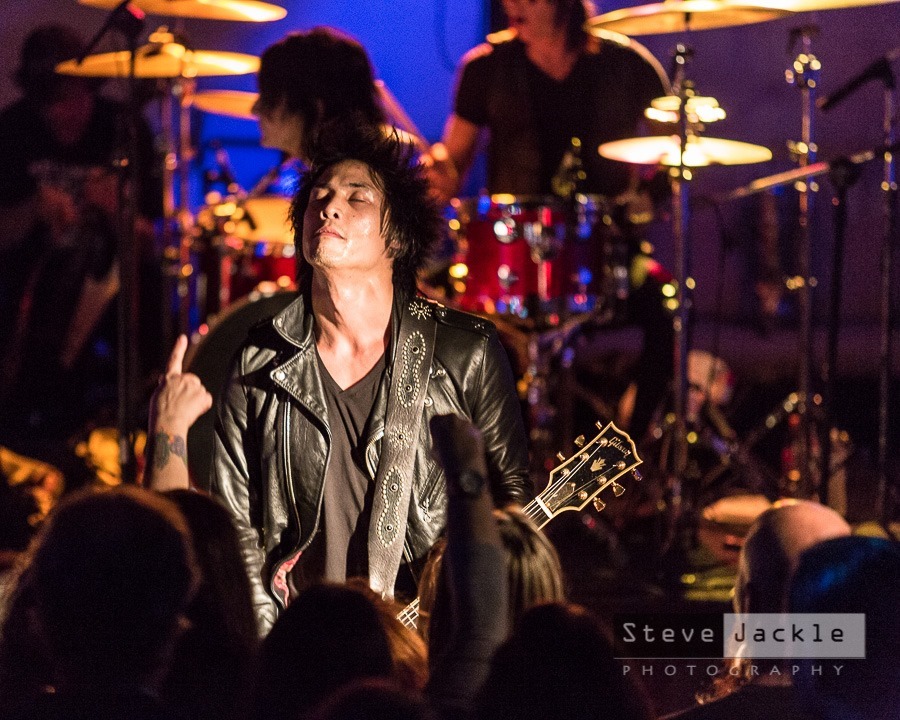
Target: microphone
{"x": 881, "y": 68}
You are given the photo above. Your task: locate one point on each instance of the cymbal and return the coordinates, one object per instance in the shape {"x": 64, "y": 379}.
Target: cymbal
{"x": 797, "y": 6}
{"x": 699, "y": 152}
{"x": 699, "y": 109}
{"x": 244, "y": 10}
{"x": 239, "y": 104}
{"x": 231, "y": 103}
{"x": 682, "y": 15}
{"x": 163, "y": 60}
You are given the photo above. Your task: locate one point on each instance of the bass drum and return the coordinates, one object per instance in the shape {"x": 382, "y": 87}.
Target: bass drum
{"x": 210, "y": 356}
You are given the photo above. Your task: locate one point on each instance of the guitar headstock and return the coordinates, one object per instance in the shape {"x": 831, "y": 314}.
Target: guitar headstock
{"x": 595, "y": 467}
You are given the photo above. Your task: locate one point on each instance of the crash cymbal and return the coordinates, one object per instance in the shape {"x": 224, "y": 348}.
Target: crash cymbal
{"x": 700, "y": 151}
{"x": 245, "y": 10}
{"x": 682, "y": 15}
{"x": 231, "y": 103}
{"x": 163, "y": 60}
{"x": 798, "y": 6}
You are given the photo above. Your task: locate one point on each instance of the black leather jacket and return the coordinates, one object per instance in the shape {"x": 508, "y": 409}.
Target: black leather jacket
{"x": 272, "y": 438}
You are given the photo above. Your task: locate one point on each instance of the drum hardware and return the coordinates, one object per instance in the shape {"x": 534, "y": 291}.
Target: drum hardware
{"x": 843, "y": 176}
{"x": 679, "y": 16}
{"x": 681, "y": 153}
{"x": 129, "y": 23}
{"x": 164, "y": 57}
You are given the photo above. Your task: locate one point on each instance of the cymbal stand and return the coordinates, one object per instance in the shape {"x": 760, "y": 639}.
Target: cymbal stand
{"x": 178, "y": 223}
{"x": 130, "y": 23}
{"x": 804, "y": 74}
{"x": 681, "y": 176}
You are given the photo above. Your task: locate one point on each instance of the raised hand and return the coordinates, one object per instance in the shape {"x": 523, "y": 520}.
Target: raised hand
{"x": 178, "y": 401}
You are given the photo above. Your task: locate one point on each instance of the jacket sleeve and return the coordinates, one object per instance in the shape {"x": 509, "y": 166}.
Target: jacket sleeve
{"x": 497, "y": 413}
{"x": 236, "y": 482}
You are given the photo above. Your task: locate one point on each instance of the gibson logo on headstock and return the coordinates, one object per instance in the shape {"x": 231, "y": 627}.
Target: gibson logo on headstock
{"x": 620, "y": 446}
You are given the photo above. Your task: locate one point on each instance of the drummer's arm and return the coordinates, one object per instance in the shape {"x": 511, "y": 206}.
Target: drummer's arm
{"x": 451, "y": 158}
{"x": 178, "y": 401}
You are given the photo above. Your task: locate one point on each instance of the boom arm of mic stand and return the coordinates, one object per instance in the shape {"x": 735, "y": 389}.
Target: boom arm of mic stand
{"x": 126, "y": 18}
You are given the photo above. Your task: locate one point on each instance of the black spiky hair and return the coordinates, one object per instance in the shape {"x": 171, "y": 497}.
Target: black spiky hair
{"x": 411, "y": 218}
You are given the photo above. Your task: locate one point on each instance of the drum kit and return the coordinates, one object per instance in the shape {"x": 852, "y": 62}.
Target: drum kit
{"x": 544, "y": 263}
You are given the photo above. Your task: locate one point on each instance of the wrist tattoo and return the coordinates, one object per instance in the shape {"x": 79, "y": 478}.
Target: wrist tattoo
{"x": 165, "y": 445}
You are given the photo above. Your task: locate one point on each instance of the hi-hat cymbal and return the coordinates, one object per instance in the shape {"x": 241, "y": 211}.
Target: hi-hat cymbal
{"x": 699, "y": 152}
{"x": 231, "y": 103}
{"x": 700, "y": 109}
{"x": 245, "y": 10}
{"x": 163, "y": 60}
{"x": 682, "y": 15}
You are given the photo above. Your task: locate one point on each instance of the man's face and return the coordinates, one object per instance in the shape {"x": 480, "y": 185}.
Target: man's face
{"x": 532, "y": 19}
{"x": 342, "y": 227}
{"x": 279, "y": 129}
{"x": 68, "y": 115}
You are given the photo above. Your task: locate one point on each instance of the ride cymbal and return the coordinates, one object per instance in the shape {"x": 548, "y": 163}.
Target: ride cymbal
{"x": 243, "y": 10}
{"x": 163, "y": 60}
{"x": 699, "y": 152}
{"x": 683, "y": 15}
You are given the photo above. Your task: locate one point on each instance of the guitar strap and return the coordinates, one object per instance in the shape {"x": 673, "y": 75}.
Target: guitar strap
{"x": 410, "y": 373}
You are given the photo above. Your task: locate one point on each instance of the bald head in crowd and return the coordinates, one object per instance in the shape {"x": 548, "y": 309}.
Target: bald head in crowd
{"x": 773, "y": 548}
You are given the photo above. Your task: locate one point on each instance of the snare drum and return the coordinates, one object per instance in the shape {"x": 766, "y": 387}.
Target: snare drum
{"x": 520, "y": 255}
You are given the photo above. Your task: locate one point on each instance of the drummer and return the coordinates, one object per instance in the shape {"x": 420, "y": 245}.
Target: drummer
{"x": 536, "y": 86}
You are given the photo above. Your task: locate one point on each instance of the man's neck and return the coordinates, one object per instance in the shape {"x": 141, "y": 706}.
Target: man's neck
{"x": 552, "y": 55}
{"x": 352, "y": 322}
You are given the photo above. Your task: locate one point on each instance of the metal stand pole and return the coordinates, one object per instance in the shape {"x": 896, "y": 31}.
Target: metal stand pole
{"x": 804, "y": 74}
{"x": 886, "y": 499}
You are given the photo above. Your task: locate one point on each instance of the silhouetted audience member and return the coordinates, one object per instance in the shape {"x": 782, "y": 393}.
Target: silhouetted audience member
{"x": 329, "y": 636}
{"x": 373, "y": 699}
{"x": 111, "y": 575}
{"x": 767, "y": 562}
{"x": 469, "y": 619}
{"x": 533, "y": 568}
{"x": 408, "y": 649}
{"x": 559, "y": 663}
{"x": 211, "y": 669}
{"x": 853, "y": 575}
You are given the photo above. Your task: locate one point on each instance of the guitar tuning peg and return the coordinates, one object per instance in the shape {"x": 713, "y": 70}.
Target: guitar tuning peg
{"x": 617, "y": 489}
{"x": 620, "y": 465}
{"x": 599, "y": 425}
{"x": 560, "y": 457}
{"x": 599, "y": 505}
{"x": 579, "y": 441}
{"x": 637, "y": 475}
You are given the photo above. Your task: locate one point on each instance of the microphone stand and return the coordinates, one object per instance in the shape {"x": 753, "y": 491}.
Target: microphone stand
{"x": 887, "y": 500}
{"x": 880, "y": 69}
{"x": 843, "y": 175}
{"x": 129, "y": 21}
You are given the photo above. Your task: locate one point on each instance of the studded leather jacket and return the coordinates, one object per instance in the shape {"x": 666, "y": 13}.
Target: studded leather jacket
{"x": 272, "y": 438}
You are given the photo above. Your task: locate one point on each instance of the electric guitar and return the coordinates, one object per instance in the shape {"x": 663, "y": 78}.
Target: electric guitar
{"x": 595, "y": 467}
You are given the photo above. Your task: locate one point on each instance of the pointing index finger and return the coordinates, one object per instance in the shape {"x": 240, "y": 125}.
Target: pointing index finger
{"x": 177, "y": 357}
